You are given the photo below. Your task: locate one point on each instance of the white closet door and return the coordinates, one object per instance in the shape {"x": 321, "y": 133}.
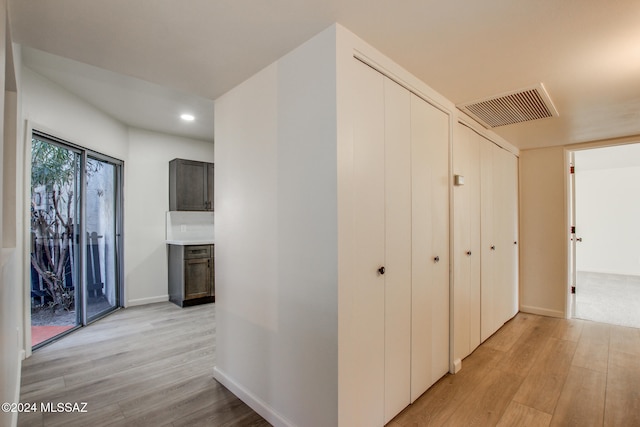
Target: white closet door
{"x": 461, "y": 245}
{"x": 466, "y": 243}
{"x": 363, "y": 362}
{"x": 514, "y": 236}
{"x": 488, "y": 276}
{"x": 397, "y": 208}
{"x": 499, "y": 215}
{"x": 474, "y": 258}
{"x": 430, "y": 245}
{"x": 508, "y": 235}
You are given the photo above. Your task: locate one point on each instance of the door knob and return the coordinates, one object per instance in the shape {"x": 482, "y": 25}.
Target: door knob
{"x": 493, "y": 247}
{"x": 468, "y": 253}
{"x": 436, "y": 259}
{"x": 579, "y": 239}
{"x": 381, "y": 270}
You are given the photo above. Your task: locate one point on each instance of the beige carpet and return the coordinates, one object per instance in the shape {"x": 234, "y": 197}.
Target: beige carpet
{"x": 608, "y": 298}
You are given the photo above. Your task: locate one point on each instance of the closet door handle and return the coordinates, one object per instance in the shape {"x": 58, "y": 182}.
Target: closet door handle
{"x": 381, "y": 270}
{"x": 493, "y": 247}
{"x": 468, "y": 253}
{"x": 436, "y": 259}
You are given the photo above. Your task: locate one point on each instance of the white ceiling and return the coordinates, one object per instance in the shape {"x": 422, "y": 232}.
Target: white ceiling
{"x": 585, "y": 52}
{"x": 130, "y": 100}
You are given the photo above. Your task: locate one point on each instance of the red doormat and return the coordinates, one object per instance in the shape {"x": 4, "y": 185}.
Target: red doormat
{"x": 43, "y": 333}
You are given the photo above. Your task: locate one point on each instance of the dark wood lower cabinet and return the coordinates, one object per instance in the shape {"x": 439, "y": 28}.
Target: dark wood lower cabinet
{"x": 191, "y": 274}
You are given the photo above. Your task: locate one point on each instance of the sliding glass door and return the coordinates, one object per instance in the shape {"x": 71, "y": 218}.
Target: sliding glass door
{"x": 102, "y": 236}
{"x": 76, "y": 221}
{"x": 55, "y": 255}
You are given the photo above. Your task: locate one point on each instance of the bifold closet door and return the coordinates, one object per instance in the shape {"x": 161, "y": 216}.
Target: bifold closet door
{"x": 380, "y": 309}
{"x": 362, "y": 373}
{"x": 397, "y": 209}
{"x": 492, "y": 212}
{"x": 499, "y": 210}
{"x": 506, "y": 232}
{"x": 466, "y": 243}
{"x": 398, "y": 296}
{"x": 514, "y": 236}
{"x": 430, "y": 245}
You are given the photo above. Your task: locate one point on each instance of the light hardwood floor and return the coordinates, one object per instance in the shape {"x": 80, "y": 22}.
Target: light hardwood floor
{"x": 152, "y": 366}
{"x": 141, "y": 366}
{"x": 540, "y": 371}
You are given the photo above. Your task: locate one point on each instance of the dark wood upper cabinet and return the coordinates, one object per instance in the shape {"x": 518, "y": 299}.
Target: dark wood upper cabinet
{"x": 190, "y": 185}
{"x": 210, "y": 185}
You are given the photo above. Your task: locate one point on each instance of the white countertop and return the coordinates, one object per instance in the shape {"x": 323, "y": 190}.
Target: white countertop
{"x": 189, "y": 242}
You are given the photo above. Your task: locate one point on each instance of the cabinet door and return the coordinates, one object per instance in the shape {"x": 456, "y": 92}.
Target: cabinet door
{"x": 191, "y": 186}
{"x": 430, "y": 245}
{"x": 210, "y": 174}
{"x": 197, "y": 278}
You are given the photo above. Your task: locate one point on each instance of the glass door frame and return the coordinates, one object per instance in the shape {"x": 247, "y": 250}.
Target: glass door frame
{"x": 81, "y": 240}
{"x": 75, "y": 244}
{"x": 118, "y": 247}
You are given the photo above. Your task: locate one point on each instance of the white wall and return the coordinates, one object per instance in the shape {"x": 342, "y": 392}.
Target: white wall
{"x": 543, "y": 232}
{"x": 146, "y": 203}
{"x": 52, "y": 109}
{"x": 607, "y": 214}
{"x": 11, "y": 258}
{"x": 276, "y": 228}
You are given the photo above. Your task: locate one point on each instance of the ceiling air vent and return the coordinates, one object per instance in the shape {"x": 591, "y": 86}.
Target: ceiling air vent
{"x": 517, "y": 106}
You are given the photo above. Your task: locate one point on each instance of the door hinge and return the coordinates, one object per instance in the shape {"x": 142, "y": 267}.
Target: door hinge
{"x": 573, "y": 289}
{"x": 573, "y": 229}
{"x": 572, "y": 169}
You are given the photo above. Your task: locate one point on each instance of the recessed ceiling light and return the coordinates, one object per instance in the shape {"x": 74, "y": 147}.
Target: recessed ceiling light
{"x": 187, "y": 117}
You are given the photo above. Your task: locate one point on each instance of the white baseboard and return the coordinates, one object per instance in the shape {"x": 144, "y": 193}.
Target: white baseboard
{"x": 149, "y": 300}
{"x": 542, "y": 311}
{"x": 262, "y": 408}
{"x": 16, "y": 392}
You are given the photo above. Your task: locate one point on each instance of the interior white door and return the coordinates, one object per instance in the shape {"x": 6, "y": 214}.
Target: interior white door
{"x": 499, "y": 225}
{"x": 474, "y": 246}
{"x": 397, "y": 211}
{"x": 500, "y": 248}
{"x": 430, "y": 245}
{"x": 511, "y": 236}
{"x": 466, "y": 243}
{"x": 398, "y": 325}
{"x": 362, "y": 397}
{"x": 488, "y": 287}
{"x": 505, "y": 208}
